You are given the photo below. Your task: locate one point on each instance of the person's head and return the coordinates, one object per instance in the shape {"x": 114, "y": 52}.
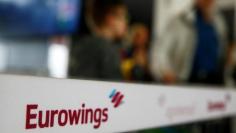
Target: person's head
{"x": 110, "y": 15}
{"x": 139, "y": 35}
{"x": 205, "y": 5}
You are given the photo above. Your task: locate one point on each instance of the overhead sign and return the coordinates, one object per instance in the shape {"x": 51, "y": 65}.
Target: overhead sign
{"x": 43, "y": 105}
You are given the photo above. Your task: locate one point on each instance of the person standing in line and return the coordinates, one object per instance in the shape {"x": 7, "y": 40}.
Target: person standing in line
{"x": 97, "y": 56}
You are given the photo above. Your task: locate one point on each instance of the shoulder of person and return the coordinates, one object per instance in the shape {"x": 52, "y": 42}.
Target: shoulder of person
{"x": 92, "y": 43}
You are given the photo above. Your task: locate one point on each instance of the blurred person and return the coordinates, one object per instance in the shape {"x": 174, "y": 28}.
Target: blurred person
{"x": 229, "y": 15}
{"x": 193, "y": 47}
{"x": 232, "y": 67}
{"x": 135, "y": 64}
{"x": 97, "y": 56}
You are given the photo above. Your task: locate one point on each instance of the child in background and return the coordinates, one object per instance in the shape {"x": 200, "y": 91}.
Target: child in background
{"x": 135, "y": 63}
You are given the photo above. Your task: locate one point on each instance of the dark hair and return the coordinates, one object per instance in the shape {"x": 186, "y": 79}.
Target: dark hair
{"x": 101, "y": 8}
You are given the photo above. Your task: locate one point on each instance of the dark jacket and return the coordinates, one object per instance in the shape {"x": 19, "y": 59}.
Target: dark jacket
{"x": 95, "y": 58}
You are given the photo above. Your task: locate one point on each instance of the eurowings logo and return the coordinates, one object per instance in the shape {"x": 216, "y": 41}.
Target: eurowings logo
{"x": 116, "y": 98}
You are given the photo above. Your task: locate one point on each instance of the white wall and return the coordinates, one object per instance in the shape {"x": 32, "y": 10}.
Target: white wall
{"x": 23, "y": 56}
{"x": 225, "y": 3}
{"x": 3, "y": 57}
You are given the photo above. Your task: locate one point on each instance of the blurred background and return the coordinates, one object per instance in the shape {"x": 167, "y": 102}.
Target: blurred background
{"x": 170, "y": 42}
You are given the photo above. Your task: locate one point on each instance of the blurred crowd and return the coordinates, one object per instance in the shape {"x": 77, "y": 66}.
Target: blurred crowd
{"x": 193, "y": 48}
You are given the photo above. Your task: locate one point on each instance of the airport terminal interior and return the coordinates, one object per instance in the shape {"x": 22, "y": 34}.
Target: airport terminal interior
{"x": 170, "y": 43}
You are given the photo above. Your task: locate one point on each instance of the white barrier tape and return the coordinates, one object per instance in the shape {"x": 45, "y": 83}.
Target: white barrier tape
{"x": 41, "y": 105}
